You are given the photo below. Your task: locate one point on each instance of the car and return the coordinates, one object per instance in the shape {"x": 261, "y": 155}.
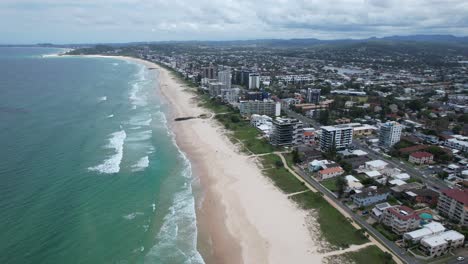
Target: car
{"x": 460, "y": 258}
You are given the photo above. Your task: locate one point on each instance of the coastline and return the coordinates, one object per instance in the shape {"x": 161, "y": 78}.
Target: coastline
{"x": 242, "y": 217}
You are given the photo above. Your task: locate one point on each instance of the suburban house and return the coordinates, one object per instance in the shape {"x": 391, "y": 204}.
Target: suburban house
{"x": 378, "y": 210}
{"x": 370, "y": 196}
{"x": 421, "y": 157}
{"x": 330, "y": 173}
{"x": 401, "y": 219}
{"x": 352, "y": 183}
{"x": 376, "y": 165}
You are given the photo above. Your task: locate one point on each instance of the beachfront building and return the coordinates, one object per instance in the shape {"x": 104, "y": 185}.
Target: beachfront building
{"x": 421, "y": 157}
{"x": 390, "y": 134}
{"x": 440, "y": 244}
{"x": 209, "y": 72}
{"x": 430, "y": 229}
{"x": 262, "y": 123}
{"x": 453, "y": 204}
{"x": 330, "y": 173}
{"x": 400, "y": 219}
{"x": 265, "y": 107}
{"x": 254, "y": 81}
{"x": 231, "y": 95}
{"x": 370, "y": 196}
{"x": 379, "y": 209}
{"x": 336, "y": 137}
{"x": 214, "y": 88}
{"x": 313, "y": 96}
{"x": 286, "y": 131}
{"x": 224, "y": 77}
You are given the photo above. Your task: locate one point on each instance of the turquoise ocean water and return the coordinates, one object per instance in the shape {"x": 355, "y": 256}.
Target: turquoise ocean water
{"x": 89, "y": 171}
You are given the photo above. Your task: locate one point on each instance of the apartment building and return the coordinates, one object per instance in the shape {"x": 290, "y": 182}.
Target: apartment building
{"x": 336, "y": 137}
{"x": 453, "y": 204}
{"x": 390, "y": 134}
{"x": 440, "y": 244}
{"x": 400, "y": 219}
{"x": 265, "y": 107}
{"x": 286, "y": 131}
{"x": 421, "y": 157}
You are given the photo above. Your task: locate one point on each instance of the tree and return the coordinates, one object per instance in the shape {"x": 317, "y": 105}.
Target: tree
{"x": 341, "y": 185}
{"x": 346, "y": 166}
{"x": 324, "y": 117}
{"x": 415, "y": 105}
{"x": 442, "y": 175}
{"x": 279, "y": 164}
{"x": 295, "y": 156}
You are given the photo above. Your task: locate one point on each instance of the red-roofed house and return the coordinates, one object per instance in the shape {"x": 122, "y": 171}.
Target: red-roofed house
{"x": 330, "y": 173}
{"x": 412, "y": 149}
{"x": 400, "y": 218}
{"x": 421, "y": 157}
{"x": 453, "y": 204}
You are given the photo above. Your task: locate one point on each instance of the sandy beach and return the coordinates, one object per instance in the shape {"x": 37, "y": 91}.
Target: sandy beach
{"x": 266, "y": 226}
{"x": 242, "y": 217}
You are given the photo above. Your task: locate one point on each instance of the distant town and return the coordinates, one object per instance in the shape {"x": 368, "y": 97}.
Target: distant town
{"x": 380, "y": 129}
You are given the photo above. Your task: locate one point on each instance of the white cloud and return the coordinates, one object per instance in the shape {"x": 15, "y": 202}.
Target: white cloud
{"x": 134, "y": 20}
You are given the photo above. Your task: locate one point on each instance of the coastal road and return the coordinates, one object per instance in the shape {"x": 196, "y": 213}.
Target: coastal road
{"x": 400, "y": 253}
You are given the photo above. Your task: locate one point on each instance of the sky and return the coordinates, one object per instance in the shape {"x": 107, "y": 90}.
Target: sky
{"x": 105, "y": 21}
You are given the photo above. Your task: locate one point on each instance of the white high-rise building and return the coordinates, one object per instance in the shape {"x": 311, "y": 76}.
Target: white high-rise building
{"x": 224, "y": 76}
{"x": 390, "y": 134}
{"x": 265, "y": 107}
{"x": 336, "y": 137}
{"x": 254, "y": 81}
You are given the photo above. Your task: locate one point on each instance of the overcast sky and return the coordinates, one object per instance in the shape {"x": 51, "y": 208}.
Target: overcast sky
{"x": 84, "y": 21}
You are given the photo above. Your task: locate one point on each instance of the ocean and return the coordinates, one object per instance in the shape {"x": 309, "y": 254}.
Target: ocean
{"x": 89, "y": 170}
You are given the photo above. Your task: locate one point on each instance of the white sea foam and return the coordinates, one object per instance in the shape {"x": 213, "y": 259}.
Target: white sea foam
{"x": 178, "y": 233}
{"x": 141, "y": 121}
{"x": 136, "y": 94}
{"x": 140, "y": 136}
{"x": 103, "y": 98}
{"x": 112, "y": 164}
{"x": 115, "y": 64}
{"x": 132, "y": 216}
{"x": 141, "y": 164}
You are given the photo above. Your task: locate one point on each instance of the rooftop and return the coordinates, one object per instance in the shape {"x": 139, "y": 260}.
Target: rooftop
{"x": 427, "y": 230}
{"x": 421, "y": 154}
{"x": 377, "y": 163}
{"x": 440, "y": 239}
{"x": 336, "y": 128}
{"x": 403, "y": 212}
{"x": 331, "y": 170}
{"x": 458, "y": 195}
{"x": 370, "y": 192}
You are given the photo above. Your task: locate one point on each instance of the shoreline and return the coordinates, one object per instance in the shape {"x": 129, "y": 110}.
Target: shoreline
{"x": 242, "y": 217}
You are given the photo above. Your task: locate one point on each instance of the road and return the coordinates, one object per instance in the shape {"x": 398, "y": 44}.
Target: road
{"x": 430, "y": 181}
{"x": 401, "y": 253}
